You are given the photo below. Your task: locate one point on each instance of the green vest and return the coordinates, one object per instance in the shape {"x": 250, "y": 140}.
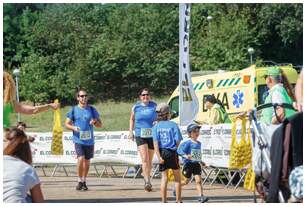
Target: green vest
{"x": 223, "y": 115}
{"x": 7, "y": 110}
{"x": 267, "y": 113}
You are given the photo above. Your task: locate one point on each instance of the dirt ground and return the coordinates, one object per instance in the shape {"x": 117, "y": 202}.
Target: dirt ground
{"x": 110, "y": 188}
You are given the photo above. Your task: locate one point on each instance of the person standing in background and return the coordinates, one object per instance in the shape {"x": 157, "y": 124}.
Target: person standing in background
{"x": 10, "y": 104}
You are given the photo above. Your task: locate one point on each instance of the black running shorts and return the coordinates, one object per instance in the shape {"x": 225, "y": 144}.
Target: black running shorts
{"x": 191, "y": 168}
{"x": 171, "y": 160}
{"x": 148, "y": 141}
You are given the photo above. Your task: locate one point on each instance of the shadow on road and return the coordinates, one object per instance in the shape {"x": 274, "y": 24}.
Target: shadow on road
{"x": 246, "y": 198}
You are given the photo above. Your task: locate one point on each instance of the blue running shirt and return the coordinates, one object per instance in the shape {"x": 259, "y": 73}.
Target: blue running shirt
{"x": 82, "y": 117}
{"x": 192, "y": 148}
{"x": 167, "y": 134}
{"x": 145, "y": 115}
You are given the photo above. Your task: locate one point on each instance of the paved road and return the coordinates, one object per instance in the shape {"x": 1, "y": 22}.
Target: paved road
{"x": 61, "y": 189}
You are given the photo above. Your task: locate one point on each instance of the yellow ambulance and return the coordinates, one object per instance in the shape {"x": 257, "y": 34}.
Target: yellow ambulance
{"x": 238, "y": 91}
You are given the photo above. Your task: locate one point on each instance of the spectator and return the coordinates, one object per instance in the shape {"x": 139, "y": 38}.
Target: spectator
{"x": 10, "y": 104}
{"x": 22, "y": 126}
{"x": 19, "y": 177}
{"x": 299, "y": 93}
{"x": 216, "y": 112}
{"x": 280, "y": 91}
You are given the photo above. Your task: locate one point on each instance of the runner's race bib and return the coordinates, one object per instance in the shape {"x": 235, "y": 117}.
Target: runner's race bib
{"x": 196, "y": 155}
{"x": 145, "y": 132}
{"x": 85, "y": 135}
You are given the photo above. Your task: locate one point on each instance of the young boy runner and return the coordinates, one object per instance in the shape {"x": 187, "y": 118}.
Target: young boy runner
{"x": 190, "y": 151}
{"x": 166, "y": 138}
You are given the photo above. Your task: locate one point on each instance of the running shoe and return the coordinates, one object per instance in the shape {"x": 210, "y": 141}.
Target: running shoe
{"x": 84, "y": 186}
{"x": 148, "y": 187}
{"x": 79, "y": 186}
{"x": 203, "y": 199}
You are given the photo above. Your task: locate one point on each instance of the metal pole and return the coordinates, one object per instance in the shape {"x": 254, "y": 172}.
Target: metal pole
{"x": 251, "y": 59}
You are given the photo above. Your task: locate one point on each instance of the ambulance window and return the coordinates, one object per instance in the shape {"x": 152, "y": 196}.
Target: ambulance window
{"x": 174, "y": 106}
{"x": 262, "y": 93}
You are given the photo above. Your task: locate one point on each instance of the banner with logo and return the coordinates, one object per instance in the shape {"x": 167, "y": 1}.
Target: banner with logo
{"x": 116, "y": 147}
{"x": 110, "y": 147}
{"x": 188, "y": 101}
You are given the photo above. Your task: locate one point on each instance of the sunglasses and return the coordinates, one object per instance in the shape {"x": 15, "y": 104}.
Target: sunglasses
{"x": 145, "y": 95}
{"x": 82, "y": 95}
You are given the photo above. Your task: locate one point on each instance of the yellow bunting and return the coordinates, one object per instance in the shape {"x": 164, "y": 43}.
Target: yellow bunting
{"x": 57, "y": 136}
{"x": 249, "y": 181}
{"x": 170, "y": 176}
{"x": 240, "y": 153}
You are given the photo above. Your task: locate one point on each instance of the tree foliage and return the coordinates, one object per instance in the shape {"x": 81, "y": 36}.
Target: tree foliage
{"x": 114, "y": 50}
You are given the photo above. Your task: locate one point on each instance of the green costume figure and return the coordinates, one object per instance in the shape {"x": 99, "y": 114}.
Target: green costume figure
{"x": 277, "y": 94}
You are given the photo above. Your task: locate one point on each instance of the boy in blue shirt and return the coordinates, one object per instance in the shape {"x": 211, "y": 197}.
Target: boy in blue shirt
{"x": 166, "y": 138}
{"x": 190, "y": 151}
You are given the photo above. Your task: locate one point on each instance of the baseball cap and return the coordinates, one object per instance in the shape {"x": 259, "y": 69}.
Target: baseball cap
{"x": 162, "y": 108}
{"x": 192, "y": 126}
{"x": 273, "y": 71}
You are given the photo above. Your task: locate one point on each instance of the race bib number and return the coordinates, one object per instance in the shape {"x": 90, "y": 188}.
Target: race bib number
{"x": 145, "y": 132}
{"x": 196, "y": 155}
{"x": 85, "y": 135}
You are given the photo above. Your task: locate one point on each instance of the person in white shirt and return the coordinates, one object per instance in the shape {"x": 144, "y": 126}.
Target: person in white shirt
{"x": 20, "y": 181}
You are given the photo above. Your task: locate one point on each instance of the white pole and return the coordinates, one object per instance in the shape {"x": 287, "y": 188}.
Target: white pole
{"x": 16, "y": 73}
{"x": 251, "y": 52}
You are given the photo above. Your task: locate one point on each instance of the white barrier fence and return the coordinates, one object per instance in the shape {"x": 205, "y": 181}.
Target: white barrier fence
{"x": 115, "y": 147}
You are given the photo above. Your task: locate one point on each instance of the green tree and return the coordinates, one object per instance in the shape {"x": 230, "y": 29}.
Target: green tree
{"x": 114, "y": 50}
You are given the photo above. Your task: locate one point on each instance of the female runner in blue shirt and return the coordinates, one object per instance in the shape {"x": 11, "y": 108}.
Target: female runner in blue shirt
{"x": 142, "y": 117}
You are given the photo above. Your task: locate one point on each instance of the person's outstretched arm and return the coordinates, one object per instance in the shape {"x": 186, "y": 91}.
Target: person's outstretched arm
{"x": 28, "y": 109}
